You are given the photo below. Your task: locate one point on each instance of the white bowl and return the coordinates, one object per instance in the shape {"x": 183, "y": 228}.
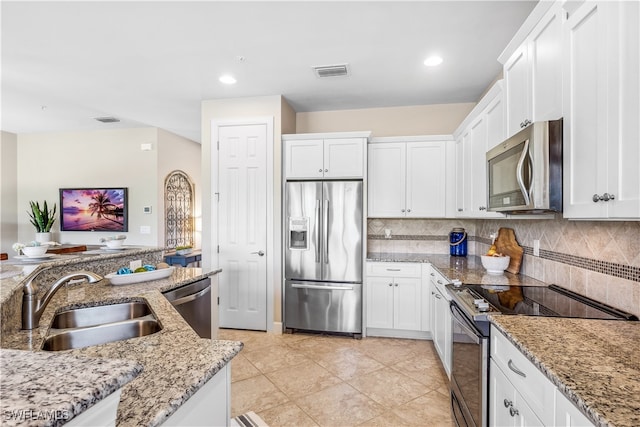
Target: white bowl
{"x": 114, "y": 244}
{"x": 495, "y": 264}
{"x": 34, "y": 251}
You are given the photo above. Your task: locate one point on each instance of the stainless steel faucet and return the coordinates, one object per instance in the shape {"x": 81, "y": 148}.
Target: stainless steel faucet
{"x": 32, "y": 308}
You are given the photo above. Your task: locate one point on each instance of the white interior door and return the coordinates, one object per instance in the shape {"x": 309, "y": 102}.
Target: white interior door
{"x": 242, "y": 226}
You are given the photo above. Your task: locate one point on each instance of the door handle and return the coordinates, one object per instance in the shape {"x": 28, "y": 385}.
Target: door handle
{"x": 260, "y": 253}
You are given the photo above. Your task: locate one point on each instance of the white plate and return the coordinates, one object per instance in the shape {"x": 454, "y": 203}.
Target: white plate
{"x": 34, "y": 258}
{"x": 127, "y": 279}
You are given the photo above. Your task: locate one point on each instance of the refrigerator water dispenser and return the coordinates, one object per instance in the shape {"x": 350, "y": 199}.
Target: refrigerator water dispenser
{"x": 299, "y": 233}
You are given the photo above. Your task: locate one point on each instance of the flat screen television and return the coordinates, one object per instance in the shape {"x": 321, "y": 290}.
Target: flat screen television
{"x": 93, "y": 209}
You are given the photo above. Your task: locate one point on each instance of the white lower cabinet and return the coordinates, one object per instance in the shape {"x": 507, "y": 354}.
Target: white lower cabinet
{"x": 103, "y": 413}
{"x": 394, "y": 300}
{"x": 521, "y": 395}
{"x": 209, "y": 406}
{"x": 440, "y": 316}
{"x": 508, "y": 407}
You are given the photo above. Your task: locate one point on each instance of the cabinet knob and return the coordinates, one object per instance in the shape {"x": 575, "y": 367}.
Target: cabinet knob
{"x": 459, "y": 209}
{"x": 513, "y": 411}
{"x": 402, "y": 211}
{"x": 326, "y": 170}
{"x": 390, "y": 284}
{"x": 507, "y": 403}
{"x": 605, "y": 197}
{"x": 438, "y": 296}
{"x": 408, "y": 210}
{"x": 396, "y": 285}
{"x": 482, "y": 208}
{"x": 319, "y": 170}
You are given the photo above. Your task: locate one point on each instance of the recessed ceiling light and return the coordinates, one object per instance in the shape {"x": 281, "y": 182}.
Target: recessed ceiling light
{"x": 432, "y": 61}
{"x": 227, "y": 79}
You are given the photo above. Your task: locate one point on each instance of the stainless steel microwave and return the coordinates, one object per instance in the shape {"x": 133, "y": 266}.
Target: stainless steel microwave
{"x": 524, "y": 173}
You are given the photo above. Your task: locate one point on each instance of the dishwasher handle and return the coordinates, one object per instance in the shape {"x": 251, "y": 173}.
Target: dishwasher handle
{"x": 191, "y": 297}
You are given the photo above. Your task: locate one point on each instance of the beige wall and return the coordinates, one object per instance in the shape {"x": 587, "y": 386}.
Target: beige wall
{"x": 8, "y": 191}
{"x": 110, "y": 158}
{"x": 227, "y": 110}
{"x": 178, "y": 153}
{"x": 441, "y": 119}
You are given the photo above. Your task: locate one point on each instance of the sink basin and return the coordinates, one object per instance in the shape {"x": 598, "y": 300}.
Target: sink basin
{"x": 99, "y": 315}
{"x": 102, "y": 334}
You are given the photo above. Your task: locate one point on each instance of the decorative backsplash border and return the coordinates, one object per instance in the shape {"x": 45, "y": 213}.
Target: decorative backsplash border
{"x": 627, "y": 272}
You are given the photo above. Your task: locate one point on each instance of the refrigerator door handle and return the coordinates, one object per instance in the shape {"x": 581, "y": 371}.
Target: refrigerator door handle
{"x": 317, "y": 232}
{"x": 329, "y": 288}
{"x": 325, "y": 231}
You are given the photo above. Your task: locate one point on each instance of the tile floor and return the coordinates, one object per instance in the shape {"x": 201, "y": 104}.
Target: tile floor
{"x": 315, "y": 380}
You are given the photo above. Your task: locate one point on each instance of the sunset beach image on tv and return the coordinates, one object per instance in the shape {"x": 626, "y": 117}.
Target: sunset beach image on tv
{"x": 93, "y": 209}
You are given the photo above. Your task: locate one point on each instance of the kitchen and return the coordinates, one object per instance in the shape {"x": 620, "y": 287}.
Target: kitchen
{"x": 597, "y": 247}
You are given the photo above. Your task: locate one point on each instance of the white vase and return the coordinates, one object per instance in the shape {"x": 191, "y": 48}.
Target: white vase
{"x": 43, "y": 237}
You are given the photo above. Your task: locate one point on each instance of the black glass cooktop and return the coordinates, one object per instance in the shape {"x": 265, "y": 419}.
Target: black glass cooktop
{"x": 551, "y": 301}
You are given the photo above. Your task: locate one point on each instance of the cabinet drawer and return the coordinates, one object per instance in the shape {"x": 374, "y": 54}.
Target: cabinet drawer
{"x": 533, "y": 385}
{"x": 394, "y": 269}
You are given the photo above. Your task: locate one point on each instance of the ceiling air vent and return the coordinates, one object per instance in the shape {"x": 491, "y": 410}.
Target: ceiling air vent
{"x": 107, "y": 119}
{"x": 331, "y": 70}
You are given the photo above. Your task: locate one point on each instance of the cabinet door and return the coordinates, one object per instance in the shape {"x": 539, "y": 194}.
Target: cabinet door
{"x": 304, "y": 159}
{"x": 386, "y": 180}
{"x": 624, "y": 134}
{"x": 478, "y": 185}
{"x": 344, "y": 158}
{"x": 407, "y": 304}
{"x": 501, "y": 398}
{"x": 516, "y": 77}
{"x": 425, "y": 179}
{"x": 545, "y": 58}
{"x": 567, "y": 415}
{"x": 494, "y": 119}
{"x": 460, "y": 176}
{"x": 585, "y": 116}
{"x": 442, "y": 329}
{"x": 380, "y": 302}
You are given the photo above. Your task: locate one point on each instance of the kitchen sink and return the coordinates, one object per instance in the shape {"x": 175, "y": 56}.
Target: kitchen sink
{"x": 84, "y": 327}
{"x": 99, "y": 315}
{"x": 102, "y": 334}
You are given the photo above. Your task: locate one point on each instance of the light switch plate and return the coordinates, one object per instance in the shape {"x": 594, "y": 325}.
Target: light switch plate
{"x": 145, "y": 229}
{"x": 536, "y": 248}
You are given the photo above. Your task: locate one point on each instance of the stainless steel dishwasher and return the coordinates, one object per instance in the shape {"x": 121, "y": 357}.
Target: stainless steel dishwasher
{"x": 193, "y": 302}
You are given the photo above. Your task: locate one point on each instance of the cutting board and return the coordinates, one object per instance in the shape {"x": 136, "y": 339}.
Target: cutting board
{"x": 66, "y": 249}
{"x": 506, "y": 244}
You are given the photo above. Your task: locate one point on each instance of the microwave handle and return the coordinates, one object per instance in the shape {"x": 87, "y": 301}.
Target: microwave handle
{"x": 519, "y": 173}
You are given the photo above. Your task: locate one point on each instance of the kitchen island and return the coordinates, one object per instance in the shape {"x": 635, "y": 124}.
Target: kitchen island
{"x": 594, "y": 363}
{"x": 176, "y": 362}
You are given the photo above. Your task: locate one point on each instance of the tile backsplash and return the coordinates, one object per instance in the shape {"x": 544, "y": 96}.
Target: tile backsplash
{"x": 599, "y": 259}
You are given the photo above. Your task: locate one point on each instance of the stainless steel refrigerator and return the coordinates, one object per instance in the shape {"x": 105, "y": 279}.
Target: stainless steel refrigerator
{"x": 323, "y": 256}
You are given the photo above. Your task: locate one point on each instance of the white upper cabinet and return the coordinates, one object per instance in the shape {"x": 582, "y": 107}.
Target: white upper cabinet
{"x": 481, "y": 131}
{"x": 601, "y": 111}
{"x": 407, "y": 179}
{"x": 533, "y": 74}
{"x": 317, "y": 156}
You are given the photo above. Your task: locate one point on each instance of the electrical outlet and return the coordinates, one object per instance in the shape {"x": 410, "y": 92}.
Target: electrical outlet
{"x": 135, "y": 264}
{"x": 536, "y": 248}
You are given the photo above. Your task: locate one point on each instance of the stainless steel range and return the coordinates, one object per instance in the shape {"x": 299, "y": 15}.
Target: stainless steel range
{"x": 470, "y": 307}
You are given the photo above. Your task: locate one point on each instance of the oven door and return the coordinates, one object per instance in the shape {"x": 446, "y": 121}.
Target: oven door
{"x": 469, "y": 371}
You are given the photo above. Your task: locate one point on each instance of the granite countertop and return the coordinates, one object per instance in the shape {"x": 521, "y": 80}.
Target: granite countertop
{"x": 176, "y": 361}
{"x": 27, "y": 398}
{"x": 468, "y": 270}
{"x": 594, "y": 363}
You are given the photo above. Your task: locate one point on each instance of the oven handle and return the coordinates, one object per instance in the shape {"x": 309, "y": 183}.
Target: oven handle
{"x": 520, "y": 175}
{"x": 454, "y": 404}
{"x": 471, "y": 330}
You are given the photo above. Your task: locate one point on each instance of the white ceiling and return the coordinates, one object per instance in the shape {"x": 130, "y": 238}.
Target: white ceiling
{"x": 152, "y": 63}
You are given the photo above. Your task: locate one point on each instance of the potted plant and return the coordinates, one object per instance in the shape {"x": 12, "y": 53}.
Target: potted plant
{"x": 42, "y": 220}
